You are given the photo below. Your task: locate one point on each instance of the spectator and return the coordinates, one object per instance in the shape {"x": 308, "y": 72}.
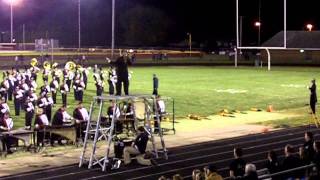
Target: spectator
{"x": 162, "y": 178}
{"x": 177, "y": 177}
{"x": 210, "y": 173}
{"x": 237, "y": 166}
{"x": 197, "y": 174}
{"x": 308, "y": 147}
{"x": 316, "y": 158}
{"x": 290, "y": 161}
{"x": 272, "y": 162}
{"x": 250, "y": 172}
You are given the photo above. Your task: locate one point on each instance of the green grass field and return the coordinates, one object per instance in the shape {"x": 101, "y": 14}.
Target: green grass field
{"x": 207, "y": 90}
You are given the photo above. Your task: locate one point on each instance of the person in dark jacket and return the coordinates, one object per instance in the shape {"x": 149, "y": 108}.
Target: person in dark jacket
{"x": 272, "y": 164}
{"x": 155, "y": 84}
{"x": 308, "y": 151}
{"x": 291, "y": 161}
{"x": 313, "y": 96}
{"x": 138, "y": 148}
{"x": 121, "y": 65}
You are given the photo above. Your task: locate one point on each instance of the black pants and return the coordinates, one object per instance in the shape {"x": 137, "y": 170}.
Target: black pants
{"x": 64, "y": 99}
{"x": 80, "y": 96}
{"x": 313, "y": 107}
{"x": 10, "y": 92}
{"x": 81, "y": 127}
{"x": 17, "y": 105}
{"x": 48, "y": 112}
{"x": 111, "y": 88}
{"x": 125, "y": 82}
{"x": 68, "y": 83}
{"x": 28, "y": 118}
{"x": 54, "y": 97}
{"x": 155, "y": 91}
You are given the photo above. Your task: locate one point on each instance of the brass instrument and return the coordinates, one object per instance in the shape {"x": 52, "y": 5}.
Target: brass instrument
{"x": 54, "y": 65}
{"x": 47, "y": 65}
{"x": 34, "y": 62}
{"x": 70, "y": 66}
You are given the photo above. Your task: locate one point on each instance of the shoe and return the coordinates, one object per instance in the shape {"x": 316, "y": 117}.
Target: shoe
{"x": 116, "y": 165}
{"x": 153, "y": 162}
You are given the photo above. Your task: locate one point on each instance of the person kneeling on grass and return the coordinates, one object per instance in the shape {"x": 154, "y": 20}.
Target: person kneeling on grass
{"x": 138, "y": 148}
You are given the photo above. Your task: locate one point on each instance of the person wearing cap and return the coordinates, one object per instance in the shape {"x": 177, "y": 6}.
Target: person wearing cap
{"x": 41, "y": 121}
{"x": 313, "y": 95}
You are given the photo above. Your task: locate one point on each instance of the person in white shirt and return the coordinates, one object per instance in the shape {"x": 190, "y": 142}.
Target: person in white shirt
{"x": 41, "y": 121}
{"x": 29, "y": 108}
{"x": 4, "y": 108}
{"x": 161, "y": 111}
{"x": 6, "y": 124}
{"x": 81, "y": 115}
{"x": 64, "y": 89}
{"x": 18, "y": 96}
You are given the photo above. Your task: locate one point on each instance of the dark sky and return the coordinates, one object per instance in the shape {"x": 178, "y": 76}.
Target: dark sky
{"x": 207, "y": 20}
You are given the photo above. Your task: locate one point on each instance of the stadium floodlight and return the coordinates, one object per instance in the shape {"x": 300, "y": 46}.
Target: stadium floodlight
{"x": 12, "y": 3}
{"x": 309, "y": 27}
{"x": 258, "y": 25}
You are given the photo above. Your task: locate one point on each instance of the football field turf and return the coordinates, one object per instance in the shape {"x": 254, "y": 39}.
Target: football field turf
{"x": 205, "y": 90}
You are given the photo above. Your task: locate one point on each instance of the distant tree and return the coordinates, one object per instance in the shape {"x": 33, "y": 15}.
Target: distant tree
{"x": 142, "y": 26}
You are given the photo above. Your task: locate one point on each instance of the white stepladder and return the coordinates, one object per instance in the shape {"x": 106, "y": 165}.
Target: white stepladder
{"x": 99, "y": 131}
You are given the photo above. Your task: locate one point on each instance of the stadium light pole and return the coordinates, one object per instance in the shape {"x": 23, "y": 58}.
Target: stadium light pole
{"x": 79, "y": 25}
{"x": 112, "y": 31}
{"x": 258, "y": 25}
{"x": 11, "y": 3}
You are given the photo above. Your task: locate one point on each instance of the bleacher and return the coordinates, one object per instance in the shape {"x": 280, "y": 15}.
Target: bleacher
{"x": 183, "y": 160}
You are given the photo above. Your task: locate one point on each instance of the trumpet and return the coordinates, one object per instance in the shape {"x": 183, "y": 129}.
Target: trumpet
{"x": 46, "y": 65}
{"x": 34, "y": 62}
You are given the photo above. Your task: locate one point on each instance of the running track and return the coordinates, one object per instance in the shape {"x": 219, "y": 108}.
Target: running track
{"x": 184, "y": 159}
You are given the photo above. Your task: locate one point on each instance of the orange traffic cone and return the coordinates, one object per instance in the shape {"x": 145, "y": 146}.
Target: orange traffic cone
{"x": 270, "y": 108}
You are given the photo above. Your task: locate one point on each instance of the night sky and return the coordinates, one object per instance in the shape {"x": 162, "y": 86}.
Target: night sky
{"x": 208, "y": 21}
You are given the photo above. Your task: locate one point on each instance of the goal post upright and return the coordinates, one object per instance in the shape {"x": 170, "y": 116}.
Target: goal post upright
{"x": 238, "y": 46}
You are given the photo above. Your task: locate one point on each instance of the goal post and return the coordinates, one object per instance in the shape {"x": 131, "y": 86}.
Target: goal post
{"x": 239, "y": 46}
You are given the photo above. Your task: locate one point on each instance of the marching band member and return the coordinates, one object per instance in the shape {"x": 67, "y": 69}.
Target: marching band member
{"x": 33, "y": 84}
{"x": 112, "y": 80}
{"x": 45, "y": 89}
{"x": 114, "y": 108}
{"x": 64, "y": 89}
{"x": 6, "y": 124}
{"x": 71, "y": 75}
{"x": 60, "y": 118}
{"x": 54, "y": 85}
{"x": 29, "y": 114}
{"x": 4, "y": 108}
{"x": 4, "y": 86}
{"x": 45, "y": 74}
{"x": 82, "y": 116}
{"x": 32, "y": 96}
{"x": 161, "y": 110}
{"x": 99, "y": 85}
{"x": 34, "y": 70}
{"x": 78, "y": 87}
{"x": 48, "y": 109}
{"x": 18, "y": 96}
{"x": 85, "y": 73}
{"x": 41, "y": 121}
{"x": 11, "y": 86}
